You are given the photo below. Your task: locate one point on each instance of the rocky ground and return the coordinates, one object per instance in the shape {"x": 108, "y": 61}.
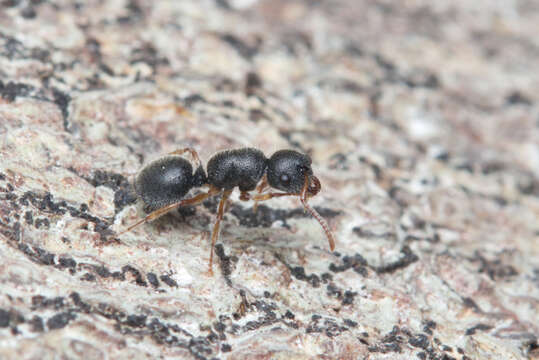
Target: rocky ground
{"x": 422, "y": 120}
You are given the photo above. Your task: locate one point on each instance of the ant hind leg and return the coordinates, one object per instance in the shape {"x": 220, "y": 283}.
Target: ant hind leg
{"x": 191, "y": 151}
{"x": 165, "y": 209}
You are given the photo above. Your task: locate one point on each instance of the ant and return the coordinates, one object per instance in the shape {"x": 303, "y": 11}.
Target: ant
{"x": 163, "y": 183}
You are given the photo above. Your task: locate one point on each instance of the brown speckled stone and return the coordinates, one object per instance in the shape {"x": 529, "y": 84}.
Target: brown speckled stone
{"x": 422, "y": 120}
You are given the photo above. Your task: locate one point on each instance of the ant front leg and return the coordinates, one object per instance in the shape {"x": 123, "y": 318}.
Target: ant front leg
{"x": 165, "y": 209}
{"x": 191, "y": 151}
{"x": 215, "y": 233}
{"x": 267, "y": 196}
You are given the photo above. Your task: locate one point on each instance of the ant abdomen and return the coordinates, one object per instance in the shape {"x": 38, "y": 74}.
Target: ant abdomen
{"x": 165, "y": 181}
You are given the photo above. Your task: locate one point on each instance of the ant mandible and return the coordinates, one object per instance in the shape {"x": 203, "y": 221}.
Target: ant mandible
{"x": 163, "y": 183}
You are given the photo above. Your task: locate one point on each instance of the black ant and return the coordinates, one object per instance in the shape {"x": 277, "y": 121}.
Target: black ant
{"x": 163, "y": 183}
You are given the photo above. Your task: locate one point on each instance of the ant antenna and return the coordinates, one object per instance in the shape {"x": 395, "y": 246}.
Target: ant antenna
{"x": 303, "y": 197}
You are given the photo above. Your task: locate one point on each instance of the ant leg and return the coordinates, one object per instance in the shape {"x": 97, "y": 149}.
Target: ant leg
{"x": 267, "y": 196}
{"x": 191, "y": 151}
{"x": 259, "y": 189}
{"x": 165, "y": 209}
{"x": 304, "y": 195}
{"x": 215, "y": 233}
{"x": 245, "y": 196}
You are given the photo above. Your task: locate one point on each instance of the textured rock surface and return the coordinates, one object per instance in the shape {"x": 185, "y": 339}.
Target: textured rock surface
{"x": 422, "y": 119}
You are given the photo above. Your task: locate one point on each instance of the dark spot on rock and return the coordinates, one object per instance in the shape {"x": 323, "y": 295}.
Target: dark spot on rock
{"x": 4, "y": 318}
{"x": 384, "y": 63}
{"x": 356, "y": 262}
{"x": 252, "y": 83}
{"x": 65, "y": 262}
{"x": 419, "y": 341}
{"x": 42, "y": 222}
{"x": 326, "y": 277}
{"x": 340, "y": 85}
{"x": 332, "y": 329}
{"x": 149, "y": 55}
{"x": 422, "y": 79}
{"x": 334, "y": 291}
{"x": 88, "y": 277}
{"x": 428, "y": 326}
{"x": 11, "y": 90}
{"x": 263, "y": 217}
{"x": 134, "y": 13}
{"x": 46, "y": 204}
{"x": 168, "y": 280}
{"x": 102, "y": 271}
{"x": 339, "y": 161}
{"x": 481, "y": 327}
{"x": 225, "y": 262}
{"x": 152, "y": 279}
{"x": 43, "y": 256}
{"x": 60, "y": 320}
{"x": 136, "y": 320}
{"x": 299, "y": 273}
{"x": 255, "y": 115}
{"x": 40, "y": 301}
{"x": 240, "y": 46}
{"x": 123, "y": 192}
{"x": 28, "y": 12}
{"x": 199, "y": 346}
{"x": 108, "y": 179}
{"x": 516, "y": 97}
{"x": 226, "y": 347}
{"x": 10, "y": 3}
{"x": 422, "y": 355}
{"x": 62, "y": 100}
{"x": 36, "y": 323}
{"x": 28, "y": 217}
{"x": 495, "y": 269}
{"x": 408, "y": 258}
{"x": 469, "y": 303}
{"x": 192, "y": 99}
{"x": 118, "y": 275}
{"x": 77, "y": 301}
{"x": 350, "y": 323}
{"x": 289, "y": 315}
{"x": 348, "y": 298}
{"x": 138, "y": 277}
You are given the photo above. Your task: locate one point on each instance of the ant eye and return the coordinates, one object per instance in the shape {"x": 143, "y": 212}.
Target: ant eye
{"x": 285, "y": 179}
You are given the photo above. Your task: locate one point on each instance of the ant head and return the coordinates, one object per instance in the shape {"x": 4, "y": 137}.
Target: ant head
{"x": 287, "y": 171}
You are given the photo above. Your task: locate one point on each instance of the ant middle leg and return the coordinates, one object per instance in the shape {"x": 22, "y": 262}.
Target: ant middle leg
{"x": 165, "y": 209}
{"x": 215, "y": 232}
{"x": 259, "y": 189}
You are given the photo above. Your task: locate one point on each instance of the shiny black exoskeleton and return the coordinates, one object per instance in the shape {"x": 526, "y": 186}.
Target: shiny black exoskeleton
{"x": 287, "y": 169}
{"x": 242, "y": 168}
{"x": 166, "y": 181}
{"x": 163, "y": 184}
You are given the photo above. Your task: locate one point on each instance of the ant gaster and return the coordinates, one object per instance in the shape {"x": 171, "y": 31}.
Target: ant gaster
{"x": 163, "y": 183}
